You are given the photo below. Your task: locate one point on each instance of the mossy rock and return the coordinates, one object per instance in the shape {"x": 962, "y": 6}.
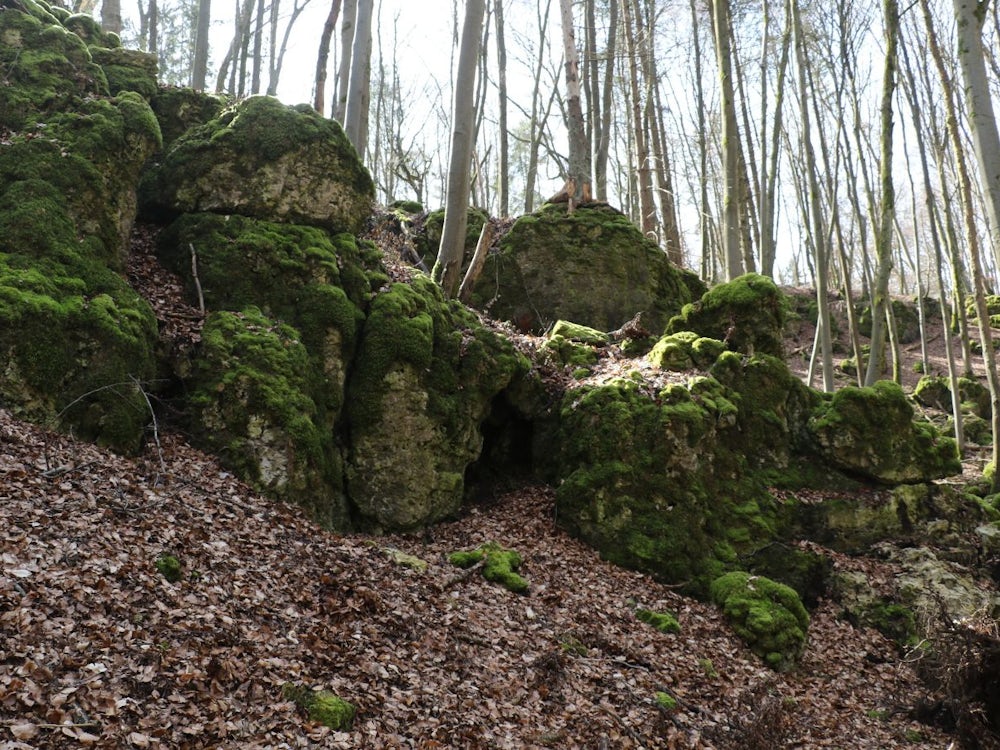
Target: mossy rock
{"x": 78, "y": 347}
{"x": 906, "y": 316}
{"x": 89, "y": 159}
{"x": 500, "y": 565}
{"x": 649, "y": 482}
{"x": 427, "y": 239}
{"x": 935, "y": 392}
{"x": 180, "y": 109}
{"x": 252, "y": 404}
{"x": 169, "y": 567}
{"x": 767, "y": 615}
{"x": 47, "y": 67}
{"x": 747, "y": 314}
{"x": 807, "y": 572}
{"x": 422, "y": 384}
{"x": 592, "y": 266}
{"x": 871, "y": 432}
{"x": 127, "y": 70}
{"x": 685, "y": 350}
{"x": 406, "y": 207}
{"x": 774, "y": 408}
{"x": 665, "y": 622}
{"x": 930, "y": 513}
{"x": 263, "y": 159}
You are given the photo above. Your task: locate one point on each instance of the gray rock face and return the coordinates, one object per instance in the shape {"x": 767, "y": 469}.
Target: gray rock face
{"x": 265, "y": 160}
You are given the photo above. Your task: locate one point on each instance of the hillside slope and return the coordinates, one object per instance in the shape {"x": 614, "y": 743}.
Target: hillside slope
{"x": 97, "y": 648}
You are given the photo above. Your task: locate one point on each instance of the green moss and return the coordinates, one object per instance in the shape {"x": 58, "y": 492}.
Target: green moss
{"x": 872, "y": 432}
{"x": 169, "y": 567}
{"x": 322, "y": 706}
{"x": 566, "y": 352}
{"x": 499, "y": 565}
{"x": 127, "y": 70}
{"x": 665, "y": 622}
{"x": 180, "y": 109}
{"x": 767, "y": 615}
{"x": 579, "y": 333}
{"x": 747, "y": 314}
{"x": 665, "y": 701}
{"x": 250, "y": 393}
{"x": 46, "y": 67}
{"x": 428, "y": 238}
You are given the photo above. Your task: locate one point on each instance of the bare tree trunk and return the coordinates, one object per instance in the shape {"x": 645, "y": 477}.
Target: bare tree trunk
{"x": 822, "y": 283}
{"x": 258, "y": 48}
{"x": 768, "y": 191}
{"x": 241, "y": 25}
{"x": 730, "y": 142}
{"x": 200, "y": 70}
{"x": 883, "y": 237}
{"x": 277, "y": 61}
{"x": 357, "y": 96}
{"x": 632, "y": 27}
{"x": 504, "y": 176}
{"x": 602, "y": 146}
{"x": 111, "y": 16}
{"x": 322, "y": 59}
{"x": 448, "y": 267}
{"x": 707, "y": 266}
{"x": 578, "y": 173}
{"x": 346, "y": 48}
{"x": 535, "y": 126}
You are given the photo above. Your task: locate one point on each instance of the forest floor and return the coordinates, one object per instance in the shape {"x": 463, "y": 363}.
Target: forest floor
{"x": 98, "y": 649}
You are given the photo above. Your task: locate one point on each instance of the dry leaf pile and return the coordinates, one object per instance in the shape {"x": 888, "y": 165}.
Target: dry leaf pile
{"x": 98, "y": 649}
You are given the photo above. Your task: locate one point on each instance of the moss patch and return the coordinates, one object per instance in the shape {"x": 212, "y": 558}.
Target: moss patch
{"x": 665, "y": 622}
{"x": 769, "y": 616}
{"x": 747, "y": 314}
{"x": 499, "y": 565}
{"x": 322, "y": 706}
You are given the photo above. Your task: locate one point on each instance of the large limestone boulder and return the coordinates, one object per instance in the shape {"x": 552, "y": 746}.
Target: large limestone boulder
{"x": 592, "y": 266}
{"x": 872, "y": 433}
{"x": 269, "y": 380}
{"x": 251, "y": 403}
{"x": 77, "y": 344}
{"x": 422, "y": 384}
{"x": 263, "y": 159}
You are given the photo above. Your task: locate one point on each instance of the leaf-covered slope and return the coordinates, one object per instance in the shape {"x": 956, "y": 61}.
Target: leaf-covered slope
{"x": 98, "y": 648}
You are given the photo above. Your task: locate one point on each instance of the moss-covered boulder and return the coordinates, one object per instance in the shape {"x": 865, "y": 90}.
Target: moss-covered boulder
{"x": 934, "y": 391}
{"x": 127, "y": 70}
{"x": 767, "y": 615}
{"x": 747, "y": 314}
{"x": 648, "y": 479}
{"x": 872, "y": 433}
{"x": 251, "y": 402}
{"x": 905, "y": 315}
{"x": 77, "y": 344}
{"x": 424, "y": 377}
{"x": 46, "y": 67}
{"x": 500, "y": 565}
{"x": 592, "y": 266}
{"x": 76, "y": 347}
{"x": 91, "y": 158}
{"x": 685, "y": 350}
{"x": 180, "y": 109}
{"x": 263, "y": 159}
{"x": 427, "y": 237}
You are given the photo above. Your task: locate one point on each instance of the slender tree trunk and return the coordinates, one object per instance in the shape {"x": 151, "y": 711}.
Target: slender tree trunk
{"x": 200, "y": 70}
{"x": 111, "y": 16}
{"x": 822, "y": 283}
{"x": 730, "y": 142}
{"x": 258, "y": 49}
{"x": 578, "y": 175}
{"x": 768, "y": 249}
{"x": 607, "y": 96}
{"x": 883, "y": 237}
{"x": 707, "y": 266}
{"x": 535, "y": 123}
{"x": 346, "y": 49}
{"x": 632, "y": 28}
{"x": 357, "y": 96}
{"x": 447, "y": 269}
{"x": 504, "y": 176}
{"x": 322, "y": 59}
